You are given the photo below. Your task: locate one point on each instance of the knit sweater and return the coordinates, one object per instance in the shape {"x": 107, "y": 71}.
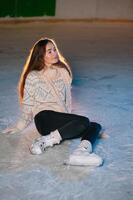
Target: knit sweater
{"x": 40, "y": 94}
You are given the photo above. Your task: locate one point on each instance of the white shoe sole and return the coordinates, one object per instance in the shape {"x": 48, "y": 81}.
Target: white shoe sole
{"x": 84, "y": 160}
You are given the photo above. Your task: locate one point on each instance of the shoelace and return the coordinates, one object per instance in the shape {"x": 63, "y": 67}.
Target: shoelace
{"x": 40, "y": 143}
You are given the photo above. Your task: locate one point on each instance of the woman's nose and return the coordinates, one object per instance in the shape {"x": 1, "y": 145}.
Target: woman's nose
{"x": 54, "y": 53}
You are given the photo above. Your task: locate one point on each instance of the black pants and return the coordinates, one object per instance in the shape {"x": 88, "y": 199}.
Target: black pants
{"x": 69, "y": 125}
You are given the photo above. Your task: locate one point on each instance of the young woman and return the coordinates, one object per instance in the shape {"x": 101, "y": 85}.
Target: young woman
{"x": 45, "y": 96}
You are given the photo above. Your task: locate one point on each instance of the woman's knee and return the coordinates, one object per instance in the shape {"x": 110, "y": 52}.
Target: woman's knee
{"x": 85, "y": 121}
{"x": 96, "y": 125}
{"x": 41, "y": 115}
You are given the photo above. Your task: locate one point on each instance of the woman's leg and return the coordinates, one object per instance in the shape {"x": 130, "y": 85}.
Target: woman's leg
{"x": 69, "y": 125}
{"x": 92, "y": 131}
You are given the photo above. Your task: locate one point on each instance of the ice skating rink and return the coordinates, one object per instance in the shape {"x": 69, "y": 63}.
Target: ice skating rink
{"x": 101, "y": 57}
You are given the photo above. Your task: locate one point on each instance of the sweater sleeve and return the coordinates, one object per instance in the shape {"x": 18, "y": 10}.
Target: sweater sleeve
{"x": 68, "y": 98}
{"x": 68, "y": 81}
{"x": 27, "y": 104}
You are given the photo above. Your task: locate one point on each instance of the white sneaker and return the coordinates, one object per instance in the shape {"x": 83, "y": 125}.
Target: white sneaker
{"x": 84, "y": 160}
{"x": 40, "y": 144}
{"x": 83, "y": 156}
{"x": 85, "y": 146}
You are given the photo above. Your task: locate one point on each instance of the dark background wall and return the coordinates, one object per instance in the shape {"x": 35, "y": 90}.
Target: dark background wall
{"x": 27, "y": 8}
{"x": 68, "y": 9}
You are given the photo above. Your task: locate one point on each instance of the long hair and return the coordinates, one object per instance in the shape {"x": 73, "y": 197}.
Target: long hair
{"x": 35, "y": 61}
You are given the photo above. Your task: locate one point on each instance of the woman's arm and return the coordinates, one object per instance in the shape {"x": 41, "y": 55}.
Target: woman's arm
{"x": 68, "y": 98}
{"x": 68, "y": 82}
{"x": 26, "y": 107}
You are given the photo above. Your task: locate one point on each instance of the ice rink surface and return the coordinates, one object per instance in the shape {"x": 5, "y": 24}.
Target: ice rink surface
{"x": 101, "y": 57}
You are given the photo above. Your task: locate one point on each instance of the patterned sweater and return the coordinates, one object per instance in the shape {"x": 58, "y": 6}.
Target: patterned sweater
{"x": 40, "y": 95}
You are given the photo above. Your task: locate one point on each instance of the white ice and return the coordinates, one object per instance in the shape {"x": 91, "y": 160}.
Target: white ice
{"x": 101, "y": 57}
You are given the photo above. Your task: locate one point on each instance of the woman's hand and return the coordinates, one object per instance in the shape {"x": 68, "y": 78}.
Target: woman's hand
{"x": 16, "y": 128}
{"x": 11, "y": 130}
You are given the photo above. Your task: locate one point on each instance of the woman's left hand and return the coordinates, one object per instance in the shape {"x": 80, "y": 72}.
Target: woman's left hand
{"x": 11, "y": 130}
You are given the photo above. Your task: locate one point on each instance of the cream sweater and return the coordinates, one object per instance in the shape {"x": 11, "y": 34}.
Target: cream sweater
{"x": 40, "y": 95}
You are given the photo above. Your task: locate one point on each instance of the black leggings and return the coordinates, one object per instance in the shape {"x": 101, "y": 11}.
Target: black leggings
{"x": 69, "y": 125}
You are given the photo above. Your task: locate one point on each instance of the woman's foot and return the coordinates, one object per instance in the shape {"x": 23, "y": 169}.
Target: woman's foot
{"x": 83, "y": 156}
{"x": 40, "y": 144}
{"x": 84, "y": 160}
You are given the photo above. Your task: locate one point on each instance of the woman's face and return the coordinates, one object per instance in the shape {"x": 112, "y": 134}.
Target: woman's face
{"x": 51, "y": 55}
